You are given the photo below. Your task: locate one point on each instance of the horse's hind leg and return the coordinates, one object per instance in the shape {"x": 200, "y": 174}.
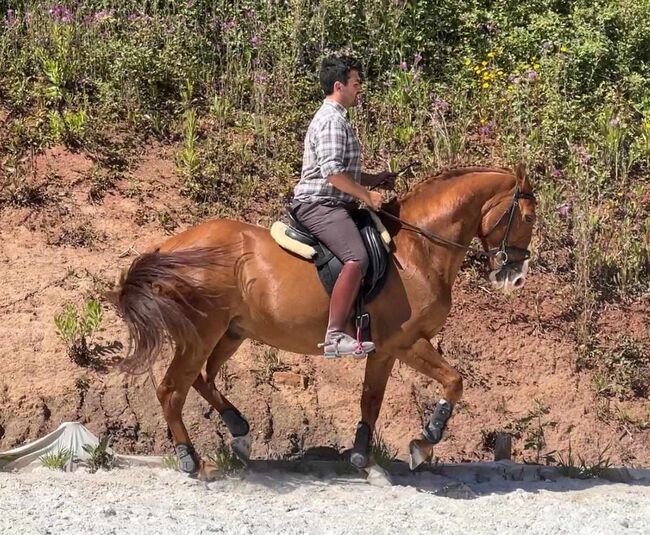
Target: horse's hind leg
{"x": 204, "y": 385}
{"x": 426, "y": 359}
{"x": 172, "y": 392}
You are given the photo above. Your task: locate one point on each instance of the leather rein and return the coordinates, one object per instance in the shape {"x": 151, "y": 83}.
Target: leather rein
{"x": 501, "y": 253}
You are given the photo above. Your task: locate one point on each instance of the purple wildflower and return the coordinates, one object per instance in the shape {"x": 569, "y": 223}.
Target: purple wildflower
{"x": 532, "y": 75}
{"x": 513, "y": 79}
{"x": 261, "y": 77}
{"x": 256, "y": 41}
{"x": 229, "y": 25}
{"x": 10, "y": 18}
{"x": 547, "y": 45}
{"x": 564, "y": 210}
{"x": 417, "y": 59}
{"x": 486, "y": 129}
{"x": 583, "y": 155}
{"x": 555, "y": 172}
{"x": 403, "y": 66}
{"x": 250, "y": 13}
{"x": 440, "y": 105}
{"x": 614, "y": 122}
{"x": 60, "y": 13}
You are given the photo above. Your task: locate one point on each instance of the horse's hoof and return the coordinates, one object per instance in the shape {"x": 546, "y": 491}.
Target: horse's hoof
{"x": 241, "y": 446}
{"x": 420, "y": 452}
{"x": 378, "y": 477}
{"x": 359, "y": 460}
{"x": 188, "y": 460}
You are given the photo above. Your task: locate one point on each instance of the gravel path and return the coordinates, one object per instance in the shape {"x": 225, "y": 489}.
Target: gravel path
{"x": 157, "y": 501}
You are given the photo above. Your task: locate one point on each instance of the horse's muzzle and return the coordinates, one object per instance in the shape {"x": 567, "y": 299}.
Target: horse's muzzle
{"x": 509, "y": 278}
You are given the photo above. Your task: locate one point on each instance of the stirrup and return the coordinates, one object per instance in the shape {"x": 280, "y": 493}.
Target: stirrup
{"x": 342, "y": 344}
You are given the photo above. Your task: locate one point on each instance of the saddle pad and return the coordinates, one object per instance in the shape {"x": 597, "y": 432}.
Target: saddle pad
{"x": 279, "y": 234}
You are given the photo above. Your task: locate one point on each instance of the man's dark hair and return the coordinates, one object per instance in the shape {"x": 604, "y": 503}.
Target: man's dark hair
{"x": 337, "y": 69}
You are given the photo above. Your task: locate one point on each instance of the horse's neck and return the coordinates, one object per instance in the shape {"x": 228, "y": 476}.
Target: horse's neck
{"x": 453, "y": 208}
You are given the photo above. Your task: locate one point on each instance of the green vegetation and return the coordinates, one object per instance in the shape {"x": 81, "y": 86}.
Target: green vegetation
{"x": 226, "y": 462}
{"x": 57, "y": 460}
{"x": 99, "y": 456}
{"x": 560, "y": 85}
{"x": 77, "y": 327}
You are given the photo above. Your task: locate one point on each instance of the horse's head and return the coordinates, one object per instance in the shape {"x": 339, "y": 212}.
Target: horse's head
{"x": 506, "y": 230}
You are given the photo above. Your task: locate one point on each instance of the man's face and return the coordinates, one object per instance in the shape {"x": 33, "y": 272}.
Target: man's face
{"x": 350, "y": 91}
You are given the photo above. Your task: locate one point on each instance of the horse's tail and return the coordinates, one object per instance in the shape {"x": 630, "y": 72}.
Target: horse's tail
{"x": 159, "y": 298}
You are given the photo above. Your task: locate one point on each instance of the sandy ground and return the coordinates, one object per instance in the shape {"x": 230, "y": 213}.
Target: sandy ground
{"x": 157, "y": 501}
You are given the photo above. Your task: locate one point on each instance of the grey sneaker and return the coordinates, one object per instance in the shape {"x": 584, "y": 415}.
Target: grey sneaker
{"x": 340, "y": 344}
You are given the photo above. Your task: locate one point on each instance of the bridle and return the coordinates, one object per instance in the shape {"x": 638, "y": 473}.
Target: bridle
{"x": 501, "y": 254}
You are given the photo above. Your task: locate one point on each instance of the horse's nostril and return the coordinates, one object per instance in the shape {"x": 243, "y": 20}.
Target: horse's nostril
{"x": 519, "y": 282}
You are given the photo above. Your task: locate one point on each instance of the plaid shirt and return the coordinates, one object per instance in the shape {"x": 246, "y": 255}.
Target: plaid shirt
{"x": 331, "y": 147}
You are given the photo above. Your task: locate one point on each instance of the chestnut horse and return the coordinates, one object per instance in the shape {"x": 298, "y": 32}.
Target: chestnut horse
{"x": 212, "y": 286}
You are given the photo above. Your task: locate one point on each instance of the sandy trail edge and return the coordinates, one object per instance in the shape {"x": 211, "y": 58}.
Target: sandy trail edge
{"x": 155, "y": 500}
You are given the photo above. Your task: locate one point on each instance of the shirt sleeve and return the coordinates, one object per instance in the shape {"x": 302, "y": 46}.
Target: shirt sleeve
{"x": 329, "y": 145}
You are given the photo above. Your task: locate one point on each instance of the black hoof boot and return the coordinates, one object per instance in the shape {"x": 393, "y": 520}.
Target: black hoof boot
{"x": 360, "y": 454}
{"x": 235, "y": 422}
{"x": 432, "y": 431}
{"x": 188, "y": 460}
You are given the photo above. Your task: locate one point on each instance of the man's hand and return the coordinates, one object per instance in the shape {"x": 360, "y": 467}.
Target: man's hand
{"x": 374, "y": 200}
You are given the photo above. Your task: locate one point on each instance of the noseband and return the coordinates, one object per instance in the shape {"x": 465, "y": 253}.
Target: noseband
{"x": 502, "y": 253}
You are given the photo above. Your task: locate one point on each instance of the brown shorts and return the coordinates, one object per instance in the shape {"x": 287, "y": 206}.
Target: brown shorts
{"x": 334, "y": 226}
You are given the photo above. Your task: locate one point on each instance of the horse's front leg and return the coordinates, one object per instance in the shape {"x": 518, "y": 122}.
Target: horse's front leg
{"x": 426, "y": 359}
{"x": 378, "y": 367}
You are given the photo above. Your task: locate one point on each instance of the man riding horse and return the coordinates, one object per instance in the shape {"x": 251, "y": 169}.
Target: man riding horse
{"x": 330, "y": 187}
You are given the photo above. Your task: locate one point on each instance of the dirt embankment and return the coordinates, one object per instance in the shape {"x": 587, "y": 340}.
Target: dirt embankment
{"x": 68, "y": 237}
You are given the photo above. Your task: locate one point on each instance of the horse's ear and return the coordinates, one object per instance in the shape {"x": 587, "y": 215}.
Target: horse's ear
{"x": 522, "y": 179}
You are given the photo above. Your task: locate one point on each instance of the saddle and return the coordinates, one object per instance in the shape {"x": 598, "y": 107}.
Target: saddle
{"x": 295, "y": 238}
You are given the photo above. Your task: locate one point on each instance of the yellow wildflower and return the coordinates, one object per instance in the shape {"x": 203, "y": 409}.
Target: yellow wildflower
{"x": 468, "y": 61}
{"x": 536, "y": 66}
{"x": 563, "y": 49}
{"x": 482, "y": 120}
{"x": 484, "y": 63}
{"x": 490, "y": 54}
{"x": 485, "y": 85}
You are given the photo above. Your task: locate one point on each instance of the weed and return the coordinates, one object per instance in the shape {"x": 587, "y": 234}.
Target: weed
{"x": 77, "y": 327}
{"x": 99, "y": 456}
{"x": 382, "y": 452}
{"x": 57, "y": 460}
{"x": 579, "y": 468}
{"x": 226, "y": 461}
{"x": 170, "y": 462}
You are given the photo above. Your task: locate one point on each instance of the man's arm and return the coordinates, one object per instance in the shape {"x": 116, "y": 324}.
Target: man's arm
{"x": 345, "y": 183}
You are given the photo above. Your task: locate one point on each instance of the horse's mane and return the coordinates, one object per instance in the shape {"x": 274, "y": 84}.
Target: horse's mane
{"x": 394, "y": 205}
{"x": 448, "y": 174}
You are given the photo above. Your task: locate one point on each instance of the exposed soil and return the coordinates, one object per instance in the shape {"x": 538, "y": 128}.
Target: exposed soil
{"x": 517, "y": 354}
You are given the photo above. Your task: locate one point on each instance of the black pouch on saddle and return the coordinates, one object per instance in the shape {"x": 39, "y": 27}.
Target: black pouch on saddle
{"x": 329, "y": 266}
